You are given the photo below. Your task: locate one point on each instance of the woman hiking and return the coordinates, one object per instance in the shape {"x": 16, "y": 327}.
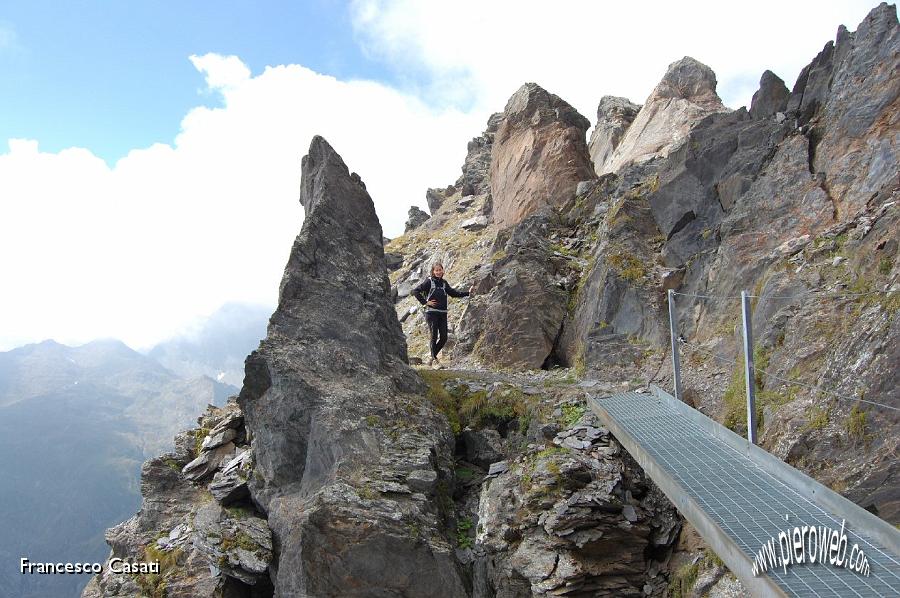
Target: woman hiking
{"x": 432, "y": 293}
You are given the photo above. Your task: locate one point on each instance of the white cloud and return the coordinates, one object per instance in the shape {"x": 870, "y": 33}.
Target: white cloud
{"x": 222, "y": 72}
{"x": 8, "y": 37}
{"x": 481, "y": 52}
{"x": 170, "y": 232}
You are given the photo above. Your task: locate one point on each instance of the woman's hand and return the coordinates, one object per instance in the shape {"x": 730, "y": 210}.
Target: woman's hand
{"x": 431, "y": 303}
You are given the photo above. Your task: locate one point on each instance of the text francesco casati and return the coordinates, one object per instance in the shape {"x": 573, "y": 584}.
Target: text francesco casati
{"x": 113, "y": 565}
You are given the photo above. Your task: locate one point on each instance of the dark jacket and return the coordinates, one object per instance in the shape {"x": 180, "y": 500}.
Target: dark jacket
{"x": 437, "y": 289}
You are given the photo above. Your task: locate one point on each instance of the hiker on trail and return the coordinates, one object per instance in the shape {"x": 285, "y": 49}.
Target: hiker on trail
{"x": 432, "y": 293}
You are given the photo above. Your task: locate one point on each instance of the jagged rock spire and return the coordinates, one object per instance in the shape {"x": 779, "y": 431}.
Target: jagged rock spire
{"x": 685, "y": 95}
{"x": 330, "y": 374}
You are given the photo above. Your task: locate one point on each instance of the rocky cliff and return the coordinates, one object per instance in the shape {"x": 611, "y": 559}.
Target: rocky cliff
{"x": 793, "y": 201}
{"x": 492, "y": 480}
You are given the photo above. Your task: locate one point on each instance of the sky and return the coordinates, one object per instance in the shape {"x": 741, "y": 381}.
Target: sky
{"x": 150, "y": 151}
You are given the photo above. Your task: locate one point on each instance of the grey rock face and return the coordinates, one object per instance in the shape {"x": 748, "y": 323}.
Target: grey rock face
{"x": 483, "y": 447}
{"x": 416, "y": 218}
{"x": 771, "y": 97}
{"x": 580, "y": 523}
{"x": 229, "y": 485}
{"x": 475, "y": 178}
{"x": 320, "y": 396}
{"x": 393, "y": 261}
{"x": 240, "y": 547}
{"x": 689, "y": 78}
{"x": 857, "y": 124}
{"x": 208, "y": 462}
{"x": 435, "y": 197}
{"x": 517, "y": 309}
{"x": 760, "y": 203}
{"x": 474, "y": 223}
{"x": 614, "y": 116}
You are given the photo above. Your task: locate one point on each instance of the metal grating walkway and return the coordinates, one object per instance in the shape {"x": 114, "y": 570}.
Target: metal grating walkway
{"x": 739, "y": 495}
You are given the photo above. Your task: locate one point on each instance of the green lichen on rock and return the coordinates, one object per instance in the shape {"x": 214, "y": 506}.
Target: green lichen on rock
{"x": 817, "y": 417}
{"x": 238, "y": 540}
{"x": 153, "y": 585}
{"x": 463, "y": 407}
{"x": 627, "y": 265}
{"x": 856, "y": 424}
{"x": 571, "y": 414}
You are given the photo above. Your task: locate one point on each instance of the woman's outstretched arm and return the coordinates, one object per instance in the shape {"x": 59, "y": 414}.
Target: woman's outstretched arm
{"x": 454, "y": 293}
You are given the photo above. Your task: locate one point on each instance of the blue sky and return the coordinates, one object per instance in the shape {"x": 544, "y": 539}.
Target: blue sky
{"x": 150, "y": 151}
{"x": 112, "y": 76}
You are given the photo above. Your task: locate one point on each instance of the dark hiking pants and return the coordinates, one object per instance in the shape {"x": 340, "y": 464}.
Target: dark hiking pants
{"x": 437, "y": 323}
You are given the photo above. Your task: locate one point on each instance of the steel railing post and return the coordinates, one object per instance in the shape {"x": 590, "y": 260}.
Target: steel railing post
{"x": 676, "y": 361}
{"x": 748, "y": 367}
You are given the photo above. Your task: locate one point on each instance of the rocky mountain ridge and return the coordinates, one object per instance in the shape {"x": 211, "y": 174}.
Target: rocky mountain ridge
{"x": 492, "y": 480}
{"x": 745, "y": 201}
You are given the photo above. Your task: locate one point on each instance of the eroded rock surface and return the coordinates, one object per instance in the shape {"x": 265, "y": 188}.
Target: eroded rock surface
{"x": 208, "y": 542}
{"x": 771, "y": 97}
{"x": 538, "y": 156}
{"x": 415, "y": 219}
{"x": 686, "y": 94}
{"x": 614, "y": 116}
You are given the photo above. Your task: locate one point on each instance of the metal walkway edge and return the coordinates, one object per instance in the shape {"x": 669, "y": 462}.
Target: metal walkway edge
{"x": 739, "y": 497}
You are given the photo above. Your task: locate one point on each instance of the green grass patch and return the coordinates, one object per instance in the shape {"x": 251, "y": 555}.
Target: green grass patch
{"x": 464, "y": 473}
{"x": 817, "y": 418}
{"x": 571, "y": 414}
{"x": 440, "y": 398}
{"x": 683, "y": 580}
{"x": 734, "y": 401}
{"x": 856, "y": 424}
{"x": 463, "y": 539}
{"x": 562, "y": 250}
{"x": 463, "y": 407}
{"x": 238, "y": 512}
{"x": 627, "y": 265}
{"x": 239, "y": 540}
{"x": 199, "y": 435}
{"x": 154, "y": 585}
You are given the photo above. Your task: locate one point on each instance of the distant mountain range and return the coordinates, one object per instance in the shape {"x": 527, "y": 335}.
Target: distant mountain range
{"x": 76, "y": 423}
{"x": 212, "y": 349}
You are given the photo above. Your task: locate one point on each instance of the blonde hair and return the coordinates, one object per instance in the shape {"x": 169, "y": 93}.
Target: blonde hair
{"x": 435, "y": 265}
